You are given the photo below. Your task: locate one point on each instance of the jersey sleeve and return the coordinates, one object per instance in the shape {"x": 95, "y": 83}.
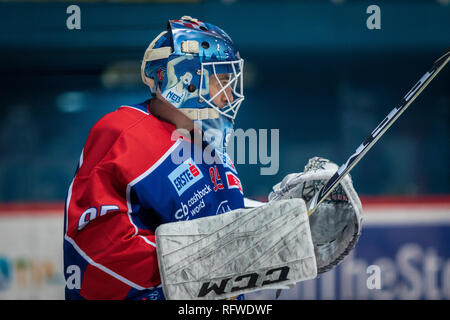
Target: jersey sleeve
{"x": 118, "y": 255}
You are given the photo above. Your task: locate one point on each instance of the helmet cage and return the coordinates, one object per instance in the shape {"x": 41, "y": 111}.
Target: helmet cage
{"x": 235, "y": 83}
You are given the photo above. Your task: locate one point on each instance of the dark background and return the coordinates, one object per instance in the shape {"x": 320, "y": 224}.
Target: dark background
{"x": 312, "y": 70}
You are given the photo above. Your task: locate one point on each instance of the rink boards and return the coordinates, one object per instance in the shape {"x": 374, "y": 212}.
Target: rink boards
{"x": 403, "y": 253}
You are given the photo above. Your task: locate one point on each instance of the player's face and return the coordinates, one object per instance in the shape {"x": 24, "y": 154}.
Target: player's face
{"x": 215, "y": 86}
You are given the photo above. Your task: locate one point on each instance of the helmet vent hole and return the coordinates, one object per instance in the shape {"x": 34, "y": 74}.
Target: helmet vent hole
{"x": 205, "y": 45}
{"x": 191, "y": 88}
{"x": 203, "y": 28}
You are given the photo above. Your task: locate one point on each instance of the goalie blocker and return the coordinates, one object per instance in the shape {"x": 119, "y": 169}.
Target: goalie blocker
{"x": 237, "y": 252}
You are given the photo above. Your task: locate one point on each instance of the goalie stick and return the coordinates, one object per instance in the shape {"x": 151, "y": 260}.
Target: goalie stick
{"x": 377, "y": 133}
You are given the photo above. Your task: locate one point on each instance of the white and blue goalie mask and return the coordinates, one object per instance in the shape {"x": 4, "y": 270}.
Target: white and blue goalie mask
{"x": 195, "y": 67}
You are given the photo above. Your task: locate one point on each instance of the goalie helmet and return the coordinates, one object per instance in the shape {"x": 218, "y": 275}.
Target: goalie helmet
{"x": 180, "y": 61}
{"x": 183, "y": 63}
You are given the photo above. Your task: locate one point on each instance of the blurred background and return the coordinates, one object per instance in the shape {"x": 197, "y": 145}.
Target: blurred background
{"x": 313, "y": 70}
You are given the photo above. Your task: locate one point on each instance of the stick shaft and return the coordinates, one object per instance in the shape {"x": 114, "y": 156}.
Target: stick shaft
{"x": 377, "y": 133}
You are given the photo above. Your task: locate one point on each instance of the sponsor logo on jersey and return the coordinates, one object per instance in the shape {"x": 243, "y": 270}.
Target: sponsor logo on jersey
{"x": 184, "y": 176}
{"x": 233, "y": 181}
{"x": 194, "y": 205}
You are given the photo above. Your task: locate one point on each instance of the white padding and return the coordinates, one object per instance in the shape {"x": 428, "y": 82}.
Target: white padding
{"x": 200, "y": 114}
{"x": 189, "y": 46}
{"x": 236, "y": 252}
{"x": 153, "y": 54}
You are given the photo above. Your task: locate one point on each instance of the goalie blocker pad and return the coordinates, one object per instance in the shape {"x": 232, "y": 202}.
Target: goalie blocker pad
{"x": 237, "y": 252}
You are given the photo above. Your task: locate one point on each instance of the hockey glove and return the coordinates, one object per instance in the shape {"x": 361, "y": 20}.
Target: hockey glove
{"x": 336, "y": 223}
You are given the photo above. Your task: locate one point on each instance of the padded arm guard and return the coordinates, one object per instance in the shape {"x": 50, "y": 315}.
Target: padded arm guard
{"x": 236, "y": 252}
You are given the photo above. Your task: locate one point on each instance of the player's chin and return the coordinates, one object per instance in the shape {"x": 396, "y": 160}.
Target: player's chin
{"x": 219, "y": 105}
{"x": 223, "y": 105}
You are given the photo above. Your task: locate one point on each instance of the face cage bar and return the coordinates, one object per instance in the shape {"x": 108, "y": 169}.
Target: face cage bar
{"x": 231, "y": 109}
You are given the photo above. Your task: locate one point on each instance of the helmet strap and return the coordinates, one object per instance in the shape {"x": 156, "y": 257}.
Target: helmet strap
{"x": 162, "y": 109}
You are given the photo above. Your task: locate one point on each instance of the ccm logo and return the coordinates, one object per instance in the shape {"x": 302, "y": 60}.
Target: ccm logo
{"x": 246, "y": 281}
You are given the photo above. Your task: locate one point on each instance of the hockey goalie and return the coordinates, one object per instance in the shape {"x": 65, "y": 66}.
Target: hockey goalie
{"x": 156, "y": 209}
